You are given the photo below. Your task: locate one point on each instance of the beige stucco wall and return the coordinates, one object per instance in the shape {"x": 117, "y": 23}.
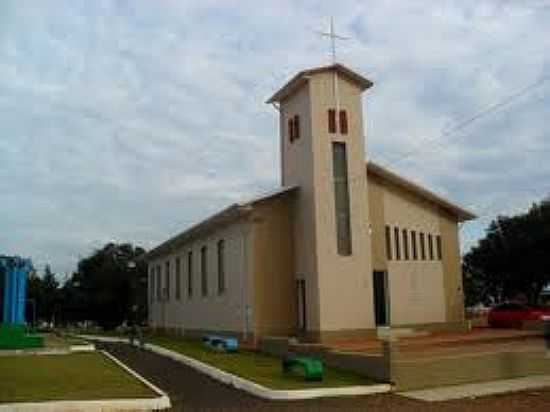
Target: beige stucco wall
{"x": 274, "y": 281}
{"x": 454, "y": 293}
{"x": 297, "y": 162}
{"x": 417, "y": 288}
{"x": 344, "y": 281}
{"x": 225, "y": 312}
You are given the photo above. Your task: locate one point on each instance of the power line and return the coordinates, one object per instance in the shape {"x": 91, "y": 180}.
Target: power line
{"x": 469, "y": 120}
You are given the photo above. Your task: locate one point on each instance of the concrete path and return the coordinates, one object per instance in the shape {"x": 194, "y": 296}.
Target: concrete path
{"x": 474, "y": 390}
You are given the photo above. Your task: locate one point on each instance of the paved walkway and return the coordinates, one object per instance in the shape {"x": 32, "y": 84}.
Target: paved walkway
{"x": 190, "y": 391}
{"x": 479, "y": 389}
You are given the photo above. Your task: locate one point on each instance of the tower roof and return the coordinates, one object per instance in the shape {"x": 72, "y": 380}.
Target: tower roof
{"x": 301, "y": 78}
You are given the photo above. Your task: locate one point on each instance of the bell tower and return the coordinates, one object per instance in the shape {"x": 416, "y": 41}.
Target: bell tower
{"x": 323, "y": 153}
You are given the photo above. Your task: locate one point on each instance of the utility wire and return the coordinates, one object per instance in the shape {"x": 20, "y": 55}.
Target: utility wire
{"x": 480, "y": 114}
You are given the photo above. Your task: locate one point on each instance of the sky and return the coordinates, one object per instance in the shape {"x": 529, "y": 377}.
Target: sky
{"x": 131, "y": 120}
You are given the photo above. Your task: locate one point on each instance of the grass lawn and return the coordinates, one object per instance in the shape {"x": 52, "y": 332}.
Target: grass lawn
{"x": 82, "y": 376}
{"x": 263, "y": 369}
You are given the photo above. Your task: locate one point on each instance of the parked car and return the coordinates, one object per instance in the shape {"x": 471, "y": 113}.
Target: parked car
{"x": 512, "y": 315}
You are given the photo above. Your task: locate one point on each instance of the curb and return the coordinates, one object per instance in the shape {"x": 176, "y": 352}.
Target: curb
{"x": 252, "y": 387}
{"x": 99, "y": 405}
{"x": 48, "y": 351}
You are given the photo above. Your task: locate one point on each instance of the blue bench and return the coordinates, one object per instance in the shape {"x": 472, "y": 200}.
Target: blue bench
{"x": 221, "y": 343}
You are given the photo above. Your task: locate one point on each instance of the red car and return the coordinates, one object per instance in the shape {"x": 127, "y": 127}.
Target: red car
{"x": 512, "y": 315}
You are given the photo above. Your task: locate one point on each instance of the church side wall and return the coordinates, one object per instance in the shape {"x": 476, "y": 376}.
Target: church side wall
{"x": 275, "y": 298}
{"x": 214, "y": 312}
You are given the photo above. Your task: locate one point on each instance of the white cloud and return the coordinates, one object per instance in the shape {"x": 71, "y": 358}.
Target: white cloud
{"x": 131, "y": 120}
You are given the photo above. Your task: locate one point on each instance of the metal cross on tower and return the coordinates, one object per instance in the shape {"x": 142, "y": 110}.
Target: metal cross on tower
{"x": 333, "y": 37}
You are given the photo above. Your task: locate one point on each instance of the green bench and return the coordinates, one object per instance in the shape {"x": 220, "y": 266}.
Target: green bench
{"x": 311, "y": 367}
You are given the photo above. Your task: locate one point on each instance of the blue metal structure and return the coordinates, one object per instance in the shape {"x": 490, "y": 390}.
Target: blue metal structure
{"x": 14, "y": 273}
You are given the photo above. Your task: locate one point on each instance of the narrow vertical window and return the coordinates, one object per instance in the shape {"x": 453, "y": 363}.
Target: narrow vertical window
{"x": 341, "y": 198}
{"x": 422, "y": 247}
{"x": 439, "y": 248}
{"x": 291, "y": 130}
{"x": 159, "y": 285}
{"x": 152, "y": 283}
{"x": 331, "y": 121}
{"x": 204, "y": 272}
{"x": 178, "y": 278}
{"x": 388, "y": 243}
{"x": 405, "y": 244}
{"x": 343, "y": 122}
{"x": 221, "y": 266}
{"x": 431, "y": 246}
{"x": 189, "y": 273}
{"x": 397, "y": 248}
{"x": 413, "y": 245}
{"x": 296, "y": 127}
{"x": 167, "y": 280}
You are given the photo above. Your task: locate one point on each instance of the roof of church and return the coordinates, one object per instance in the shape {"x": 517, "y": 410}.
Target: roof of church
{"x": 301, "y": 78}
{"x": 226, "y": 215}
{"x": 462, "y": 213}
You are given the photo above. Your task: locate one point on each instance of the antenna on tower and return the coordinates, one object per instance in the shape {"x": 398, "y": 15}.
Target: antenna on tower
{"x": 331, "y": 34}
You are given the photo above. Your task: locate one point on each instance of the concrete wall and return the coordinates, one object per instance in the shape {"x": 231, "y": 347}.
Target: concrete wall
{"x": 225, "y": 312}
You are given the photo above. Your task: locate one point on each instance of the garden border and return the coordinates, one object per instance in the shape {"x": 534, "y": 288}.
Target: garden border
{"x": 97, "y": 405}
{"x": 249, "y": 386}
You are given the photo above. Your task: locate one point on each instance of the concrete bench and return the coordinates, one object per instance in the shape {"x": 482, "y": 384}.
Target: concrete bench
{"x": 221, "y": 343}
{"x": 312, "y": 367}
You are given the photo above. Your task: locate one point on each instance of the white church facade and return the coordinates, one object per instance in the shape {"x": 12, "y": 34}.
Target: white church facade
{"x": 342, "y": 247}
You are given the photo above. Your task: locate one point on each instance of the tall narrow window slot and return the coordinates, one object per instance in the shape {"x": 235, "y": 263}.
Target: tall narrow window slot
{"x": 159, "y": 285}
{"x": 343, "y": 122}
{"x": 331, "y": 121}
{"x": 189, "y": 273}
{"x": 405, "y": 244}
{"x": 221, "y": 266}
{"x": 422, "y": 247}
{"x": 413, "y": 245}
{"x": 396, "y": 239}
{"x": 341, "y": 198}
{"x": 388, "y": 243}
{"x": 178, "y": 278}
{"x": 296, "y": 127}
{"x": 439, "y": 249}
{"x": 204, "y": 272}
{"x": 431, "y": 246}
{"x": 291, "y": 130}
{"x": 152, "y": 283}
{"x": 167, "y": 280}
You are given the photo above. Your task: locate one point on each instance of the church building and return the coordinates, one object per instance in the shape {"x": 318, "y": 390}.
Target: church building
{"x": 341, "y": 248}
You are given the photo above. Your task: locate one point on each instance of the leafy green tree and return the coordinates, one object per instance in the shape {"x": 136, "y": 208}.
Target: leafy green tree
{"x": 513, "y": 258}
{"x": 110, "y": 283}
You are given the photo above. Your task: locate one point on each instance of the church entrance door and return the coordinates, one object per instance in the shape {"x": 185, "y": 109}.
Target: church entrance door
{"x": 380, "y": 289}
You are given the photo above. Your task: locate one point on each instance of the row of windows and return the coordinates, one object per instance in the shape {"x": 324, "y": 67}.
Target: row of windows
{"x": 294, "y": 124}
{"x": 416, "y": 249}
{"x": 155, "y": 275}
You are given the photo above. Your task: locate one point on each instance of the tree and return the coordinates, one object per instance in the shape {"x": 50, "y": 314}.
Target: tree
{"x": 513, "y": 258}
{"x": 109, "y": 283}
{"x": 44, "y": 293}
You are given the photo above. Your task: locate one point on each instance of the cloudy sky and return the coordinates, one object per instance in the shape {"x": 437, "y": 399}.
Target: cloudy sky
{"x": 130, "y": 120}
